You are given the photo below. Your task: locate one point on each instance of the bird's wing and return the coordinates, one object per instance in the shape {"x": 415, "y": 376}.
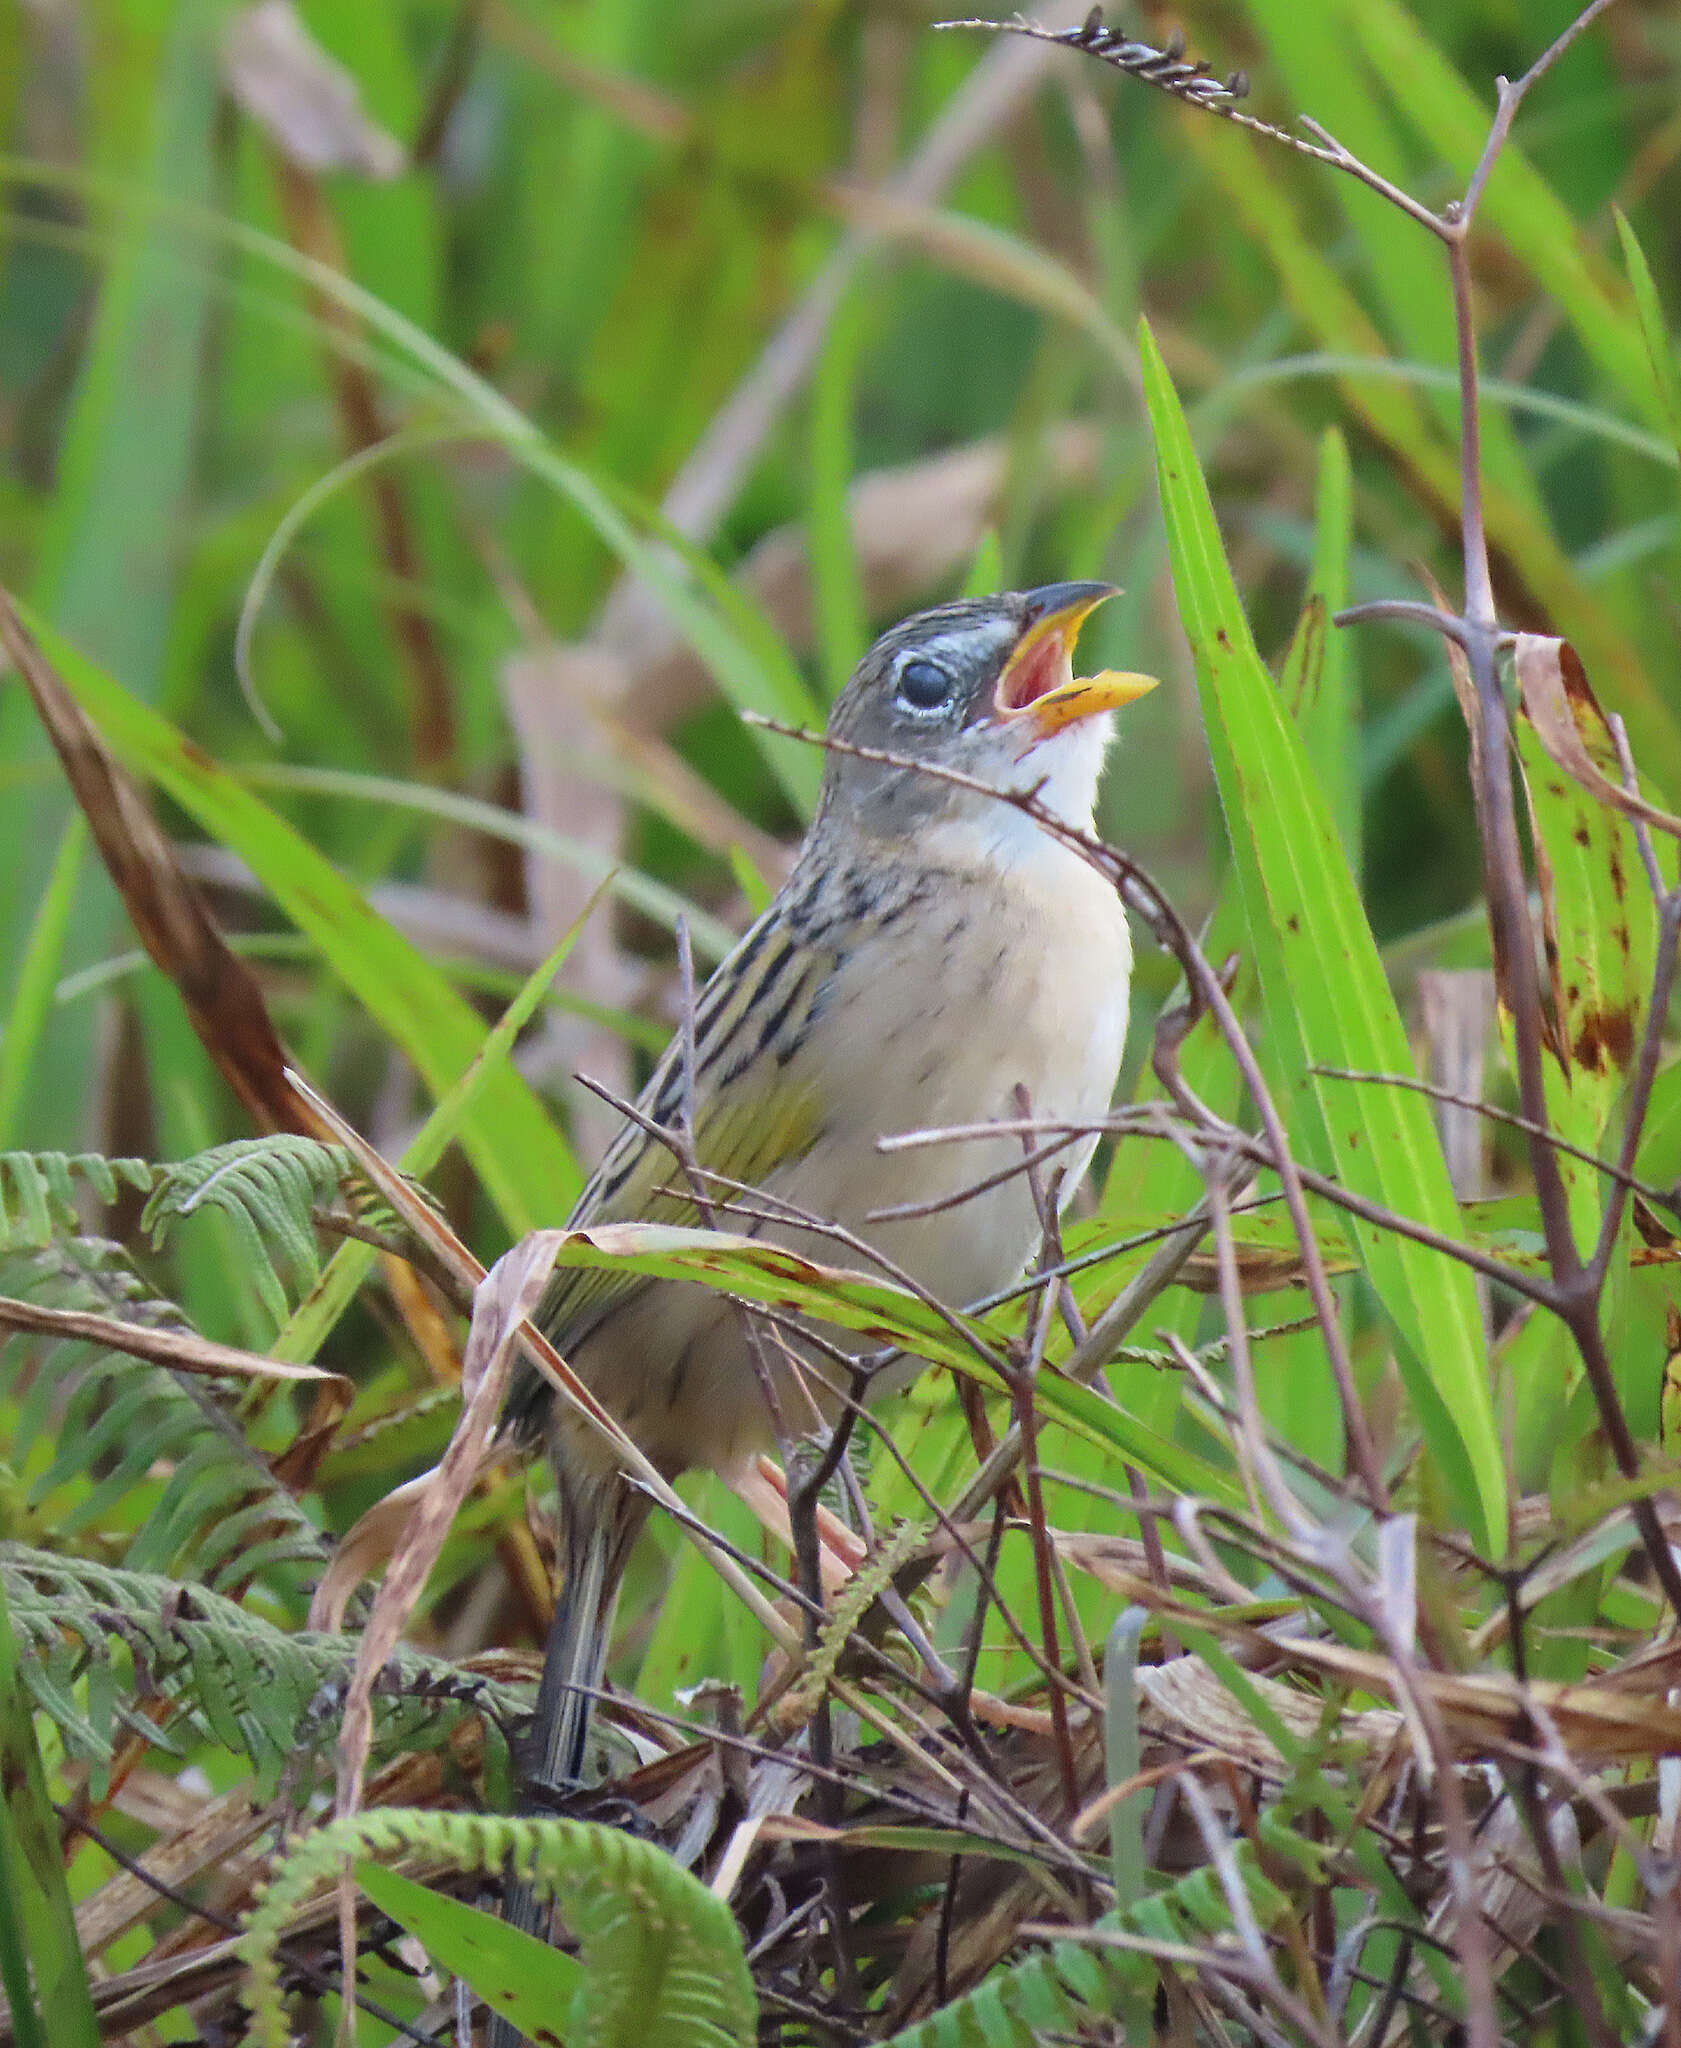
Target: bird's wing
{"x": 755, "y": 1110}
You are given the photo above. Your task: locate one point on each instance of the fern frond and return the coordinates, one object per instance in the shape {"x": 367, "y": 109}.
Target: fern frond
{"x": 112, "y": 1421}
{"x": 266, "y": 1188}
{"x": 663, "y": 1959}
{"x": 38, "y": 1192}
{"x": 234, "y": 1678}
{"x": 856, "y": 1598}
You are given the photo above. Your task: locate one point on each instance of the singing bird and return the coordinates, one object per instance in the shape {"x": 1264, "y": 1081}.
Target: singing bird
{"x": 933, "y": 949}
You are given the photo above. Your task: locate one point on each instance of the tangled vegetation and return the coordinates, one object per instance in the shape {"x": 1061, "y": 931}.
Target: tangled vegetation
{"x": 427, "y": 433}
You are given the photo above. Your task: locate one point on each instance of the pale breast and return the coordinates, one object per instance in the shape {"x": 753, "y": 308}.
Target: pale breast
{"x": 1008, "y": 973}
{"x": 1014, "y": 976}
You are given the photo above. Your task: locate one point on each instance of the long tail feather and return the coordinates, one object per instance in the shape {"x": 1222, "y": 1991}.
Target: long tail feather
{"x": 597, "y": 1545}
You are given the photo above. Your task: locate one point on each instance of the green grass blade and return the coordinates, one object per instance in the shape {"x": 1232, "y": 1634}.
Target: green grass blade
{"x": 111, "y": 540}
{"x": 1326, "y": 999}
{"x": 837, "y": 589}
{"x": 43, "y": 955}
{"x": 1402, "y": 270}
{"x": 712, "y": 937}
{"x": 1315, "y": 680}
{"x": 310, "y": 1323}
{"x": 1396, "y": 414}
{"x": 40, "y": 1957}
{"x": 1654, "y": 329}
{"x": 1519, "y": 203}
{"x": 986, "y": 568}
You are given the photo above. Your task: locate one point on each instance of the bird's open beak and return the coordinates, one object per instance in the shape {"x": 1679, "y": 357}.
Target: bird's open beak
{"x": 1038, "y": 682}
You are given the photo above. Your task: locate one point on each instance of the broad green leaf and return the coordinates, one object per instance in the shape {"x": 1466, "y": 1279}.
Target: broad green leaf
{"x": 875, "y": 1309}
{"x": 522, "y": 1978}
{"x": 1601, "y": 930}
{"x": 1268, "y": 1254}
{"x": 526, "y": 1165}
{"x": 1154, "y": 1182}
{"x": 1659, "y": 1159}
{"x": 1327, "y": 1001}
{"x": 719, "y": 1640}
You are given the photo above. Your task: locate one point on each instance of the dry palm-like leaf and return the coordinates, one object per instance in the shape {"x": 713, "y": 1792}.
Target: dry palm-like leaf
{"x": 214, "y": 1836}
{"x": 504, "y": 1298}
{"x": 1191, "y": 1698}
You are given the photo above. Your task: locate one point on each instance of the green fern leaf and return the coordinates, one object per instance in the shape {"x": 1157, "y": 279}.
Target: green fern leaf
{"x": 1071, "y": 1983}
{"x": 38, "y": 1192}
{"x": 266, "y": 1188}
{"x": 110, "y": 1422}
{"x": 232, "y": 1677}
{"x": 663, "y": 1959}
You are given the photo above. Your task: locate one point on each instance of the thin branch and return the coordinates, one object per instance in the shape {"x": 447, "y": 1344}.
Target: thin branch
{"x": 1511, "y": 97}
{"x": 1409, "y": 611}
{"x": 1613, "y": 1170}
{"x": 1147, "y": 901}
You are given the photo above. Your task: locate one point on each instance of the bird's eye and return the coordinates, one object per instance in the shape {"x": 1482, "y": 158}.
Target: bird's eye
{"x": 924, "y": 686}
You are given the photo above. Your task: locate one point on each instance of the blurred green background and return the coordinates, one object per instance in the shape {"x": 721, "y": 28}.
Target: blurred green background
{"x": 438, "y": 298}
{"x": 449, "y": 417}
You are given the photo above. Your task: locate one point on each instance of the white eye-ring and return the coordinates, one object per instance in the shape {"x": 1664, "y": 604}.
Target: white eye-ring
{"x": 924, "y": 687}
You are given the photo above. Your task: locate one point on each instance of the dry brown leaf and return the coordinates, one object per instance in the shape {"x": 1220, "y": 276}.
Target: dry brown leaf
{"x": 224, "y": 1003}
{"x": 504, "y": 1298}
{"x": 304, "y": 101}
{"x": 1597, "y": 1722}
{"x": 214, "y": 1840}
{"x": 1188, "y": 1695}
{"x": 1120, "y": 1563}
{"x": 1563, "y": 709}
{"x": 365, "y": 1548}
{"x": 184, "y": 1351}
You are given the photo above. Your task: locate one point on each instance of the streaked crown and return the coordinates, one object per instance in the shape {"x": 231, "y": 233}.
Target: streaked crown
{"x": 985, "y": 686}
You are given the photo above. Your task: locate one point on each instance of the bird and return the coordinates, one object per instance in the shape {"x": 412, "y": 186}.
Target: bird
{"x": 933, "y": 951}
